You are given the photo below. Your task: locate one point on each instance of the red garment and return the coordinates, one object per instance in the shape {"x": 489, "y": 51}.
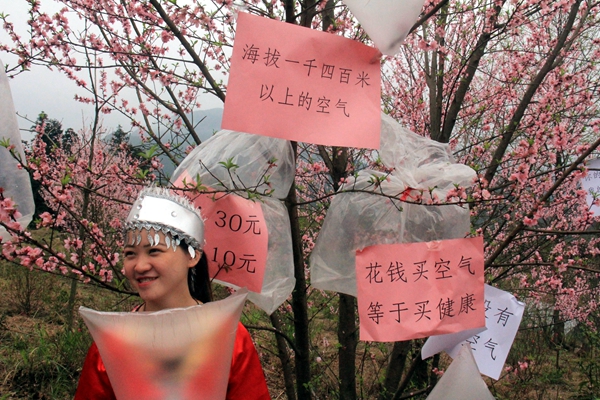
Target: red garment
{"x": 246, "y": 377}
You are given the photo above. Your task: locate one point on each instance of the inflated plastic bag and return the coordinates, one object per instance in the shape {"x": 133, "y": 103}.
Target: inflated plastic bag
{"x": 386, "y": 21}
{"x": 462, "y": 380}
{"x": 419, "y": 162}
{"x": 358, "y": 220}
{"x": 14, "y": 181}
{"x": 181, "y": 353}
{"x": 252, "y": 154}
{"x": 279, "y": 280}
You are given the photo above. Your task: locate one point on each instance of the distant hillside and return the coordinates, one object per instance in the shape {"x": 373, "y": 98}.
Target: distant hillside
{"x": 210, "y": 124}
{"x": 207, "y": 123}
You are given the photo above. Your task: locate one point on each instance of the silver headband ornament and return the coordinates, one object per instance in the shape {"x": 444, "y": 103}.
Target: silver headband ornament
{"x": 160, "y": 210}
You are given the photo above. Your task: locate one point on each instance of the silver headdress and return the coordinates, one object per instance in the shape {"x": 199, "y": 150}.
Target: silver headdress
{"x": 159, "y": 209}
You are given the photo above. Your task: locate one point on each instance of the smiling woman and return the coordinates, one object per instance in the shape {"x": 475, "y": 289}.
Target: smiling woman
{"x": 159, "y": 274}
{"x": 164, "y": 262}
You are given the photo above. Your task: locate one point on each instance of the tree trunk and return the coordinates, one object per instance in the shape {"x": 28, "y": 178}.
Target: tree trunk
{"x": 299, "y": 303}
{"x": 284, "y": 356}
{"x": 336, "y": 162}
{"x": 347, "y": 351}
{"x": 395, "y": 369}
{"x": 558, "y": 329}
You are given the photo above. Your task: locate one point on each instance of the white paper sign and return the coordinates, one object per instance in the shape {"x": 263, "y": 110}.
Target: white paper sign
{"x": 591, "y": 184}
{"x": 462, "y": 380}
{"x": 439, "y": 343}
{"x": 386, "y": 21}
{"x": 503, "y": 313}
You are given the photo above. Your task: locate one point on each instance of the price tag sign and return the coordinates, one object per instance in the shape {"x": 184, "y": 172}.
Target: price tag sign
{"x": 236, "y": 239}
{"x": 235, "y": 236}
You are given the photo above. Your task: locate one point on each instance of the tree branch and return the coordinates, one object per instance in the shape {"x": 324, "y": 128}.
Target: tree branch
{"x": 520, "y": 224}
{"x": 465, "y": 82}
{"x": 189, "y": 49}
{"x": 531, "y": 90}
{"x": 425, "y": 17}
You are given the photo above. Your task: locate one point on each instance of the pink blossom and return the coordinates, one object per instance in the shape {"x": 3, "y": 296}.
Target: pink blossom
{"x": 46, "y": 219}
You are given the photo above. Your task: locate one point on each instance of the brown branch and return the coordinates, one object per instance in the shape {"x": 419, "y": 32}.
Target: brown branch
{"x": 425, "y": 17}
{"x": 465, "y": 82}
{"x": 132, "y": 74}
{"x": 415, "y": 393}
{"x": 179, "y": 110}
{"x": 553, "y": 232}
{"x": 513, "y": 265}
{"x": 151, "y": 133}
{"x": 189, "y": 49}
{"x": 404, "y": 384}
{"x": 548, "y": 66}
{"x": 65, "y": 262}
{"x": 289, "y": 341}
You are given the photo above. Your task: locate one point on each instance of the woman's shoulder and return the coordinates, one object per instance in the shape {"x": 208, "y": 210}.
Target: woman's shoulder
{"x": 243, "y": 341}
{"x": 246, "y": 378}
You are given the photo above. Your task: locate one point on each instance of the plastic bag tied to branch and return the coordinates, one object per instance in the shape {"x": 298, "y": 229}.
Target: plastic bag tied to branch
{"x": 247, "y": 159}
{"x": 257, "y": 163}
{"x": 387, "y": 22}
{"x": 389, "y": 208}
{"x": 14, "y": 181}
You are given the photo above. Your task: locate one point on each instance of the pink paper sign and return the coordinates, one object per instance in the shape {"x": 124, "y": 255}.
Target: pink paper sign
{"x": 235, "y": 234}
{"x": 236, "y": 239}
{"x": 414, "y": 290}
{"x": 295, "y": 83}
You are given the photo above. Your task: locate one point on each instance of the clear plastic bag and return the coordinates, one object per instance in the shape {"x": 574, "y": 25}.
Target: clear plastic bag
{"x": 279, "y": 280}
{"x": 386, "y": 21}
{"x": 462, "y": 380}
{"x": 251, "y": 153}
{"x": 14, "y": 181}
{"x": 180, "y": 353}
{"x": 419, "y": 162}
{"x": 357, "y": 220}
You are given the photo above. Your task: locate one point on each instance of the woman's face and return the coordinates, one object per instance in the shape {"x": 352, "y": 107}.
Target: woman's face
{"x": 158, "y": 273}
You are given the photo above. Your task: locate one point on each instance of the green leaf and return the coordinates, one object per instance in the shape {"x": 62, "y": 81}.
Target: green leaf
{"x": 141, "y": 174}
{"x": 151, "y": 152}
{"x": 229, "y": 164}
{"x": 65, "y": 180}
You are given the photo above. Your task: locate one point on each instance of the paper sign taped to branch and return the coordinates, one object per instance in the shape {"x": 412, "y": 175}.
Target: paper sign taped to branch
{"x": 503, "y": 313}
{"x": 591, "y": 183}
{"x": 413, "y": 290}
{"x": 439, "y": 343}
{"x": 295, "y": 83}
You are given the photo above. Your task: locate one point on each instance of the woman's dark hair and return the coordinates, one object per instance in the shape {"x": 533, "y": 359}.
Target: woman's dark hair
{"x": 198, "y": 279}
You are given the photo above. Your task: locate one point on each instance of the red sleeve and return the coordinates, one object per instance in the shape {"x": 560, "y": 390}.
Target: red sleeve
{"x": 93, "y": 382}
{"x": 246, "y": 378}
